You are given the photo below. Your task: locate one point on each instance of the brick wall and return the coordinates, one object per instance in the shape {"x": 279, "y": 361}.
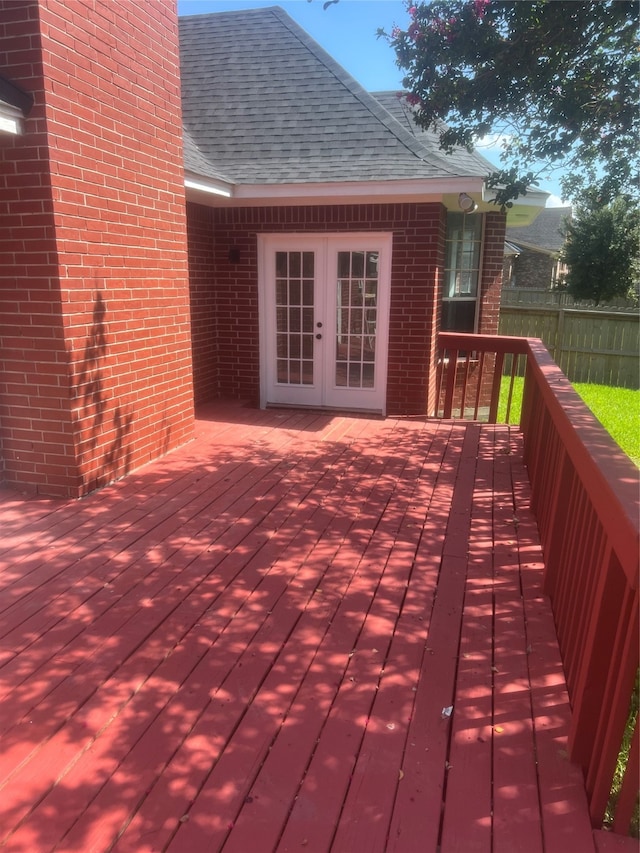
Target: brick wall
{"x": 93, "y": 244}
{"x": 492, "y": 271}
{"x": 204, "y": 328}
{"x": 418, "y": 258}
{"x": 534, "y": 269}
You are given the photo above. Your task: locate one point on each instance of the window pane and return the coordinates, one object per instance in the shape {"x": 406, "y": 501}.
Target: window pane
{"x": 357, "y": 264}
{"x": 344, "y": 270}
{"x": 458, "y": 315}
{"x": 307, "y": 319}
{"x": 281, "y": 320}
{"x": 307, "y": 265}
{"x": 294, "y": 320}
{"x": 294, "y": 293}
{"x": 294, "y": 265}
{"x": 281, "y": 264}
{"x": 307, "y": 292}
{"x": 462, "y": 271}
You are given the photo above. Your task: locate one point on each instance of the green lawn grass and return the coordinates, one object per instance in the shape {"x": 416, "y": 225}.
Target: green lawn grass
{"x": 617, "y": 409}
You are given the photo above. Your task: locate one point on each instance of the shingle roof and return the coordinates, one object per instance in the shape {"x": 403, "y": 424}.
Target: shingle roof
{"x": 394, "y": 103}
{"x": 263, "y": 103}
{"x": 545, "y": 232}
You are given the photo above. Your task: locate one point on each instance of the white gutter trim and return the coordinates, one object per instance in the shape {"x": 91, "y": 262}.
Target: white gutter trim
{"x": 218, "y": 188}
{"x": 533, "y": 198}
{"x": 355, "y": 189}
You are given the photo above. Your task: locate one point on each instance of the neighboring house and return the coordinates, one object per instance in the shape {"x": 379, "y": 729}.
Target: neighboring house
{"x": 309, "y": 268}
{"x": 536, "y": 259}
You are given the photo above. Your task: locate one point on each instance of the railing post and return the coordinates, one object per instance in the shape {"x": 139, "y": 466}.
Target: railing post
{"x": 495, "y": 388}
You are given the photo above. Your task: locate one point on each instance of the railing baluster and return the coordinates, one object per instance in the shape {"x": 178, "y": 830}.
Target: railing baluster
{"x": 480, "y": 375}
{"x": 614, "y": 708}
{"x": 452, "y": 368}
{"x": 495, "y": 388}
{"x": 465, "y": 383}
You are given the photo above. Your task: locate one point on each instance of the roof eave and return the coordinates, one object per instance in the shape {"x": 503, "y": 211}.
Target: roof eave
{"x": 206, "y": 190}
{"x": 335, "y": 192}
{"x": 219, "y": 193}
{"x": 524, "y": 209}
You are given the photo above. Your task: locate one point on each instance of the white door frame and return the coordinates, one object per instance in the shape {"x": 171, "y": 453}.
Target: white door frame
{"x": 326, "y": 246}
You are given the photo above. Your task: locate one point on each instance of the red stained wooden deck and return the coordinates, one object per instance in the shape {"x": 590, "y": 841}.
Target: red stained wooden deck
{"x": 300, "y": 632}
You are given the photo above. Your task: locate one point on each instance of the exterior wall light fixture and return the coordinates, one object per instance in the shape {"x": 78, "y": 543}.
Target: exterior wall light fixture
{"x": 466, "y": 203}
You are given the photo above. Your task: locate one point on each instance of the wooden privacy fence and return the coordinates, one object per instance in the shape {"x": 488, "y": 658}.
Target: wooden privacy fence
{"x": 589, "y": 345}
{"x": 585, "y": 500}
{"x": 543, "y": 296}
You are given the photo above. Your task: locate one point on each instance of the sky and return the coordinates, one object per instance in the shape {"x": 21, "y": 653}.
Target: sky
{"x": 348, "y": 31}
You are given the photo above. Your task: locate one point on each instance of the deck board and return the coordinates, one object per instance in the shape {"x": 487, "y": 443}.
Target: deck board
{"x": 250, "y": 645}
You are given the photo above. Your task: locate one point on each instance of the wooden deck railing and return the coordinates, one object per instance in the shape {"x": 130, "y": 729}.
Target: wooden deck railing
{"x": 585, "y": 498}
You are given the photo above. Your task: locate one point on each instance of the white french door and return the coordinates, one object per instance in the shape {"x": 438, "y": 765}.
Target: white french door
{"x": 324, "y": 319}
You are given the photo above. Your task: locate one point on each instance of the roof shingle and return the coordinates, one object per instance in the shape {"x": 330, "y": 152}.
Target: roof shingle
{"x": 546, "y": 232}
{"x": 263, "y": 103}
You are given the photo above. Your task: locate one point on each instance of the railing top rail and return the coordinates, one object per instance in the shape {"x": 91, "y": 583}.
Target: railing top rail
{"x": 488, "y": 343}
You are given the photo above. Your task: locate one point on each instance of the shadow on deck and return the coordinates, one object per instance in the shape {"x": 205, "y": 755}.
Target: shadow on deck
{"x": 301, "y": 631}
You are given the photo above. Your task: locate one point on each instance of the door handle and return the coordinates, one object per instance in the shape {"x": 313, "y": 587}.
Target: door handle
{"x": 318, "y": 336}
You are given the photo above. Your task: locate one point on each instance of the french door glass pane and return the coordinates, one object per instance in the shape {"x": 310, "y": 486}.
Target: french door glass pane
{"x": 294, "y": 317}
{"x": 356, "y": 319}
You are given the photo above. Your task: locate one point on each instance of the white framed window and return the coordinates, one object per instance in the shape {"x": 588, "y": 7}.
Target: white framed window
{"x": 463, "y": 262}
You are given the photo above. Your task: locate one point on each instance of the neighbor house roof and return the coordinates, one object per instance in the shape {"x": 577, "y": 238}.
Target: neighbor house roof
{"x": 264, "y": 103}
{"x": 546, "y": 232}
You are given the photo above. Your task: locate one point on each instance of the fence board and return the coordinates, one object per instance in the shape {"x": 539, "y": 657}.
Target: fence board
{"x": 589, "y": 345}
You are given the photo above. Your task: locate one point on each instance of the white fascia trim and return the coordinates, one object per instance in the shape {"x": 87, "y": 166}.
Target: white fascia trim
{"x": 533, "y": 198}
{"x": 210, "y": 187}
{"x": 356, "y": 189}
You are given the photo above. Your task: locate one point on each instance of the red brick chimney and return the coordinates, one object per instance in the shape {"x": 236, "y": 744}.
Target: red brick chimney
{"x": 94, "y": 307}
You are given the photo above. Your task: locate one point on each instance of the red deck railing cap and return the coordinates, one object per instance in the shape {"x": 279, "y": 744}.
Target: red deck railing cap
{"x": 611, "y": 478}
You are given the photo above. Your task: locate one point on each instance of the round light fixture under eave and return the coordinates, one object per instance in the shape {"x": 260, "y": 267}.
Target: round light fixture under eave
{"x": 466, "y": 203}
